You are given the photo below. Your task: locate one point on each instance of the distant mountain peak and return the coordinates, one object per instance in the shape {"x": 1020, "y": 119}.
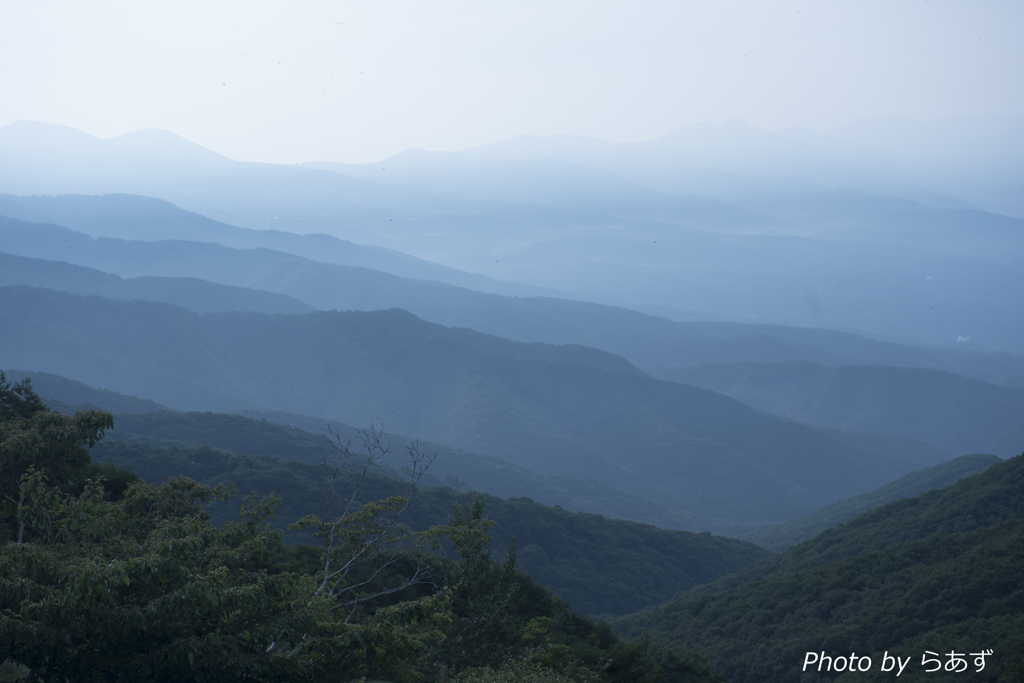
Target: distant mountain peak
{"x": 50, "y": 140}
{"x": 164, "y": 145}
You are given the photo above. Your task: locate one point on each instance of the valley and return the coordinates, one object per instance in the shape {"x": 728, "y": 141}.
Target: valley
{"x": 693, "y": 421}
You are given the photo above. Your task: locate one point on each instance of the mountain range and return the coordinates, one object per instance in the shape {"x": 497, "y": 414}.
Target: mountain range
{"x": 292, "y": 436}
{"x": 646, "y": 340}
{"x": 547, "y": 408}
{"x": 824, "y": 256}
{"x": 585, "y": 558}
{"x": 529, "y": 360}
{"x": 810, "y": 342}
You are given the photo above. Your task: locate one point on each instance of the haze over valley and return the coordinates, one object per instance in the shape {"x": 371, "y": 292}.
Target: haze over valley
{"x": 676, "y": 347}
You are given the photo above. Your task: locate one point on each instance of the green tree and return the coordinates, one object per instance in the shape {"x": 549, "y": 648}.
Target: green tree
{"x": 486, "y": 626}
{"x": 35, "y": 440}
{"x": 148, "y": 589}
{"x": 367, "y": 552}
{"x": 142, "y": 586}
{"x": 506, "y": 628}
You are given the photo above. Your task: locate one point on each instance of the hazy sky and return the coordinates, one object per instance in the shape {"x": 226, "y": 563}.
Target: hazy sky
{"x": 357, "y": 81}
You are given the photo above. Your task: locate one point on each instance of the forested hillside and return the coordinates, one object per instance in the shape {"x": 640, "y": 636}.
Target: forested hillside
{"x": 957, "y": 413}
{"x": 66, "y": 395}
{"x": 268, "y": 433}
{"x": 781, "y": 536}
{"x": 103, "y": 572}
{"x": 588, "y": 560}
{"x": 940, "y": 572}
{"x": 547, "y": 408}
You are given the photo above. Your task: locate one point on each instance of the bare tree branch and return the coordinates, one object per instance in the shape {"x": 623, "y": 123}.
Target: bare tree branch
{"x": 365, "y": 535}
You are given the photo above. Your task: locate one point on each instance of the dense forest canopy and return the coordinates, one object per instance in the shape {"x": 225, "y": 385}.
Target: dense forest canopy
{"x": 112, "y": 578}
{"x": 938, "y": 572}
{"x": 588, "y": 559}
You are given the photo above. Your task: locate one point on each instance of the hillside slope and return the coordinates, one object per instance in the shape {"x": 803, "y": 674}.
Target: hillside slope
{"x": 587, "y": 559}
{"x": 292, "y": 436}
{"x": 187, "y": 292}
{"x": 134, "y": 217}
{"x": 940, "y": 572}
{"x": 781, "y": 536}
{"x": 959, "y": 414}
{"x": 547, "y": 408}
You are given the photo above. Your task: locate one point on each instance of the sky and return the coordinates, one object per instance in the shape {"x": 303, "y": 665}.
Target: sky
{"x": 345, "y": 81}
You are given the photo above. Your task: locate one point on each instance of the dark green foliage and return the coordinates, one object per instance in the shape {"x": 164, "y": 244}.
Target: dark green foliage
{"x": 116, "y": 480}
{"x": 956, "y": 413}
{"x": 145, "y": 589}
{"x": 562, "y": 408}
{"x": 18, "y": 401}
{"x": 37, "y": 443}
{"x": 607, "y": 566}
{"x": 465, "y": 470}
{"x": 139, "y": 584}
{"x": 149, "y": 589}
{"x": 1015, "y": 669}
{"x": 783, "y": 535}
{"x": 590, "y": 560}
{"x": 136, "y": 583}
{"x": 940, "y": 571}
{"x": 488, "y": 600}
{"x": 505, "y": 627}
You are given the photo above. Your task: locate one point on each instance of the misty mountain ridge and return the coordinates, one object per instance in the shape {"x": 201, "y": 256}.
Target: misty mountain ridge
{"x": 969, "y": 144}
{"x": 943, "y": 156}
{"x": 718, "y": 273}
{"x": 555, "y": 182}
{"x": 134, "y": 217}
{"x": 547, "y": 408}
{"x": 609, "y": 255}
{"x": 801, "y": 253}
{"x": 644, "y": 339}
{"x": 261, "y": 437}
{"x": 957, "y": 413}
{"x": 192, "y": 293}
{"x": 715, "y": 200}
{"x": 273, "y": 433}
